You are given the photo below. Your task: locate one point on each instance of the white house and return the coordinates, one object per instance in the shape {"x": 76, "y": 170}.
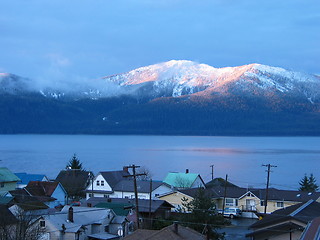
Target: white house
{"x": 115, "y": 184}
{"x": 81, "y": 223}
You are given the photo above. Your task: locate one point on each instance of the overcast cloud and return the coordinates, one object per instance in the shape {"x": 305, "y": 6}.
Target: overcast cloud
{"x": 76, "y": 39}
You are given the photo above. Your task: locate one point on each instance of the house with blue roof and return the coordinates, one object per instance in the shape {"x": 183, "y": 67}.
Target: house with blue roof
{"x": 184, "y": 180}
{"x": 25, "y": 178}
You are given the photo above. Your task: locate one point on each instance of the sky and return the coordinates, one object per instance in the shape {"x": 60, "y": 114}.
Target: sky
{"x": 79, "y": 40}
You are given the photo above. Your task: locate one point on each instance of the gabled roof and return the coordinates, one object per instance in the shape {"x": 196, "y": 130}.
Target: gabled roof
{"x": 231, "y": 192}
{"x": 184, "y": 180}
{"x": 82, "y": 216}
{"x": 167, "y": 233}
{"x": 286, "y": 195}
{"x": 38, "y": 188}
{"x": 23, "y": 196}
{"x": 73, "y": 181}
{"x": 29, "y": 206}
{"x": 142, "y": 186}
{"x": 219, "y": 182}
{"x": 25, "y": 178}
{"x": 113, "y": 177}
{"x": 303, "y": 212}
{"x": 7, "y": 176}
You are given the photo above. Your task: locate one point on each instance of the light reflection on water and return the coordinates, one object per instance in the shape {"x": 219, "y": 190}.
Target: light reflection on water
{"x": 239, "y": 157}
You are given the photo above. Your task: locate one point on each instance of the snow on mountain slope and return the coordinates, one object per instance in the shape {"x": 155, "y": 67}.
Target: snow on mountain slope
{"x": 177, "y": 78}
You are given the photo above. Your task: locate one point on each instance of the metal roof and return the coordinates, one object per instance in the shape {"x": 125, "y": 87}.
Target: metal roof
{"x": 26, "y": 177}
{"x": 7, "y": 176}
{"x": 177, "y": 179}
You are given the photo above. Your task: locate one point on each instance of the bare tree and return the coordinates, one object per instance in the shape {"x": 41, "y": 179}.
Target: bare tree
{"x": 144, "y": 170}
{"x": 25, "y": 227}
{"x": 181, "y": 182}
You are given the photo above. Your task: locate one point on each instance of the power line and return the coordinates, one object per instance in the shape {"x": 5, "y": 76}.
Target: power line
{"x": 267, "y": 187}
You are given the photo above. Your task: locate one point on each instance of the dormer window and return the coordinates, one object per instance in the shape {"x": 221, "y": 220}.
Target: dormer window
{"x": 42, "y": 224}
{"x": 98, "y": 183}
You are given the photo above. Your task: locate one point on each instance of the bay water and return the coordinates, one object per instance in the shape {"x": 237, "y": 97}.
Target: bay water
{"x": 239, "y": 157}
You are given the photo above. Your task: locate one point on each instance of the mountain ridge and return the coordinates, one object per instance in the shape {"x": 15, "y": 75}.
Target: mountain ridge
{"x": 171, "y": 98}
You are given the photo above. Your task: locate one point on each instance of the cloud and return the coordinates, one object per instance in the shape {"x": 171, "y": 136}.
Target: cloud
{"x": 58, "y": 60}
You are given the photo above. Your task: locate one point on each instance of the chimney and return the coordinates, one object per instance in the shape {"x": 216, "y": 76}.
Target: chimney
{"x": 176, "y": 227}
{"x": 70, "y": 214}
{"x": 125, "y": 169}
{"x": 187, "y": 170}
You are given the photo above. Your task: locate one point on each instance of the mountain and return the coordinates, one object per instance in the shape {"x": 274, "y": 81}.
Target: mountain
{"x": 175, "y": 97}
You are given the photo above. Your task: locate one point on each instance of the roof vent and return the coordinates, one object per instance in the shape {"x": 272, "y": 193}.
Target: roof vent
{"x": 298, "y": 195}
{"x": 309, "y": 193}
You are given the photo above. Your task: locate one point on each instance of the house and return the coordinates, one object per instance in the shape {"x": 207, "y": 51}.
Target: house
{"x": 52, "y": 193}
{"x": 25, "y": 178}
{"x": 252, "y": 200}
{"x": 115, "y": 184}
{"x": 286, "y": 223}
{"x": 278, "y": 199}
{"x": 172, "y": 232}
{"x": 8, "y": 180}
{"x": 75, "y": 182}
{"x": 80, "y": 223}
{"x": 184, "y": 180}
{"x": 179, "y": 197}
{"x": 103, "y": 183}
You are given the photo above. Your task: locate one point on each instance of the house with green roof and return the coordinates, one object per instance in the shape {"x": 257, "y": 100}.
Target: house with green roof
{"x": 184, "y": 180}
{"x": 8, "y": 180}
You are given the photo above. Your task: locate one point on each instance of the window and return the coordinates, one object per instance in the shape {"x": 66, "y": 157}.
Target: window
{"x": 102, "y": 183}
{"x": 42, "y": 223}
{"x": 106, "y": 196}
{"x": 106, "y": 228}
{"x": 262, "y": 203}
{"x": 280, "y": 204}
{"x": 2, "y": 184}
{"x": 98, "y": 183}
{"x": 231, "y": 202}
{"x": 91, "y": 195}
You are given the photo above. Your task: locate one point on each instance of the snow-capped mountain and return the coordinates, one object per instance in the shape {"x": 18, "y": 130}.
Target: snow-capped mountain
{"x": 175, "y": 97}
{"x": 178, "y": 78}
{"x": 175, "y": 79}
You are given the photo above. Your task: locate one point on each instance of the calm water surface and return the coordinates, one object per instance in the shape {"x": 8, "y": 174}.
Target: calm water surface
{"x": 239, "y": 157}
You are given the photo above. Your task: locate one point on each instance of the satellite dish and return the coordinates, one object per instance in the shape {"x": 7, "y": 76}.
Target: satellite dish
{"x": 120, "y": 232}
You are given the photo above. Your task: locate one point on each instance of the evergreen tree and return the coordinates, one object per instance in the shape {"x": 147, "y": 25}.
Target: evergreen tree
{"x": 308, "y": 184}
{"x": 203, "y": 216}
{"x": 74, "y": 163}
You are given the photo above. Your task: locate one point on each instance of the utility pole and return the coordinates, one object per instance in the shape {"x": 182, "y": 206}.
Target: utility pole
{"x": 225, "y": 194}
{"x": 211, "y": 171}
{"x": 150, "y": 202}
{"x": 134, "y": 175}
{"x": 267, "y": 187}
